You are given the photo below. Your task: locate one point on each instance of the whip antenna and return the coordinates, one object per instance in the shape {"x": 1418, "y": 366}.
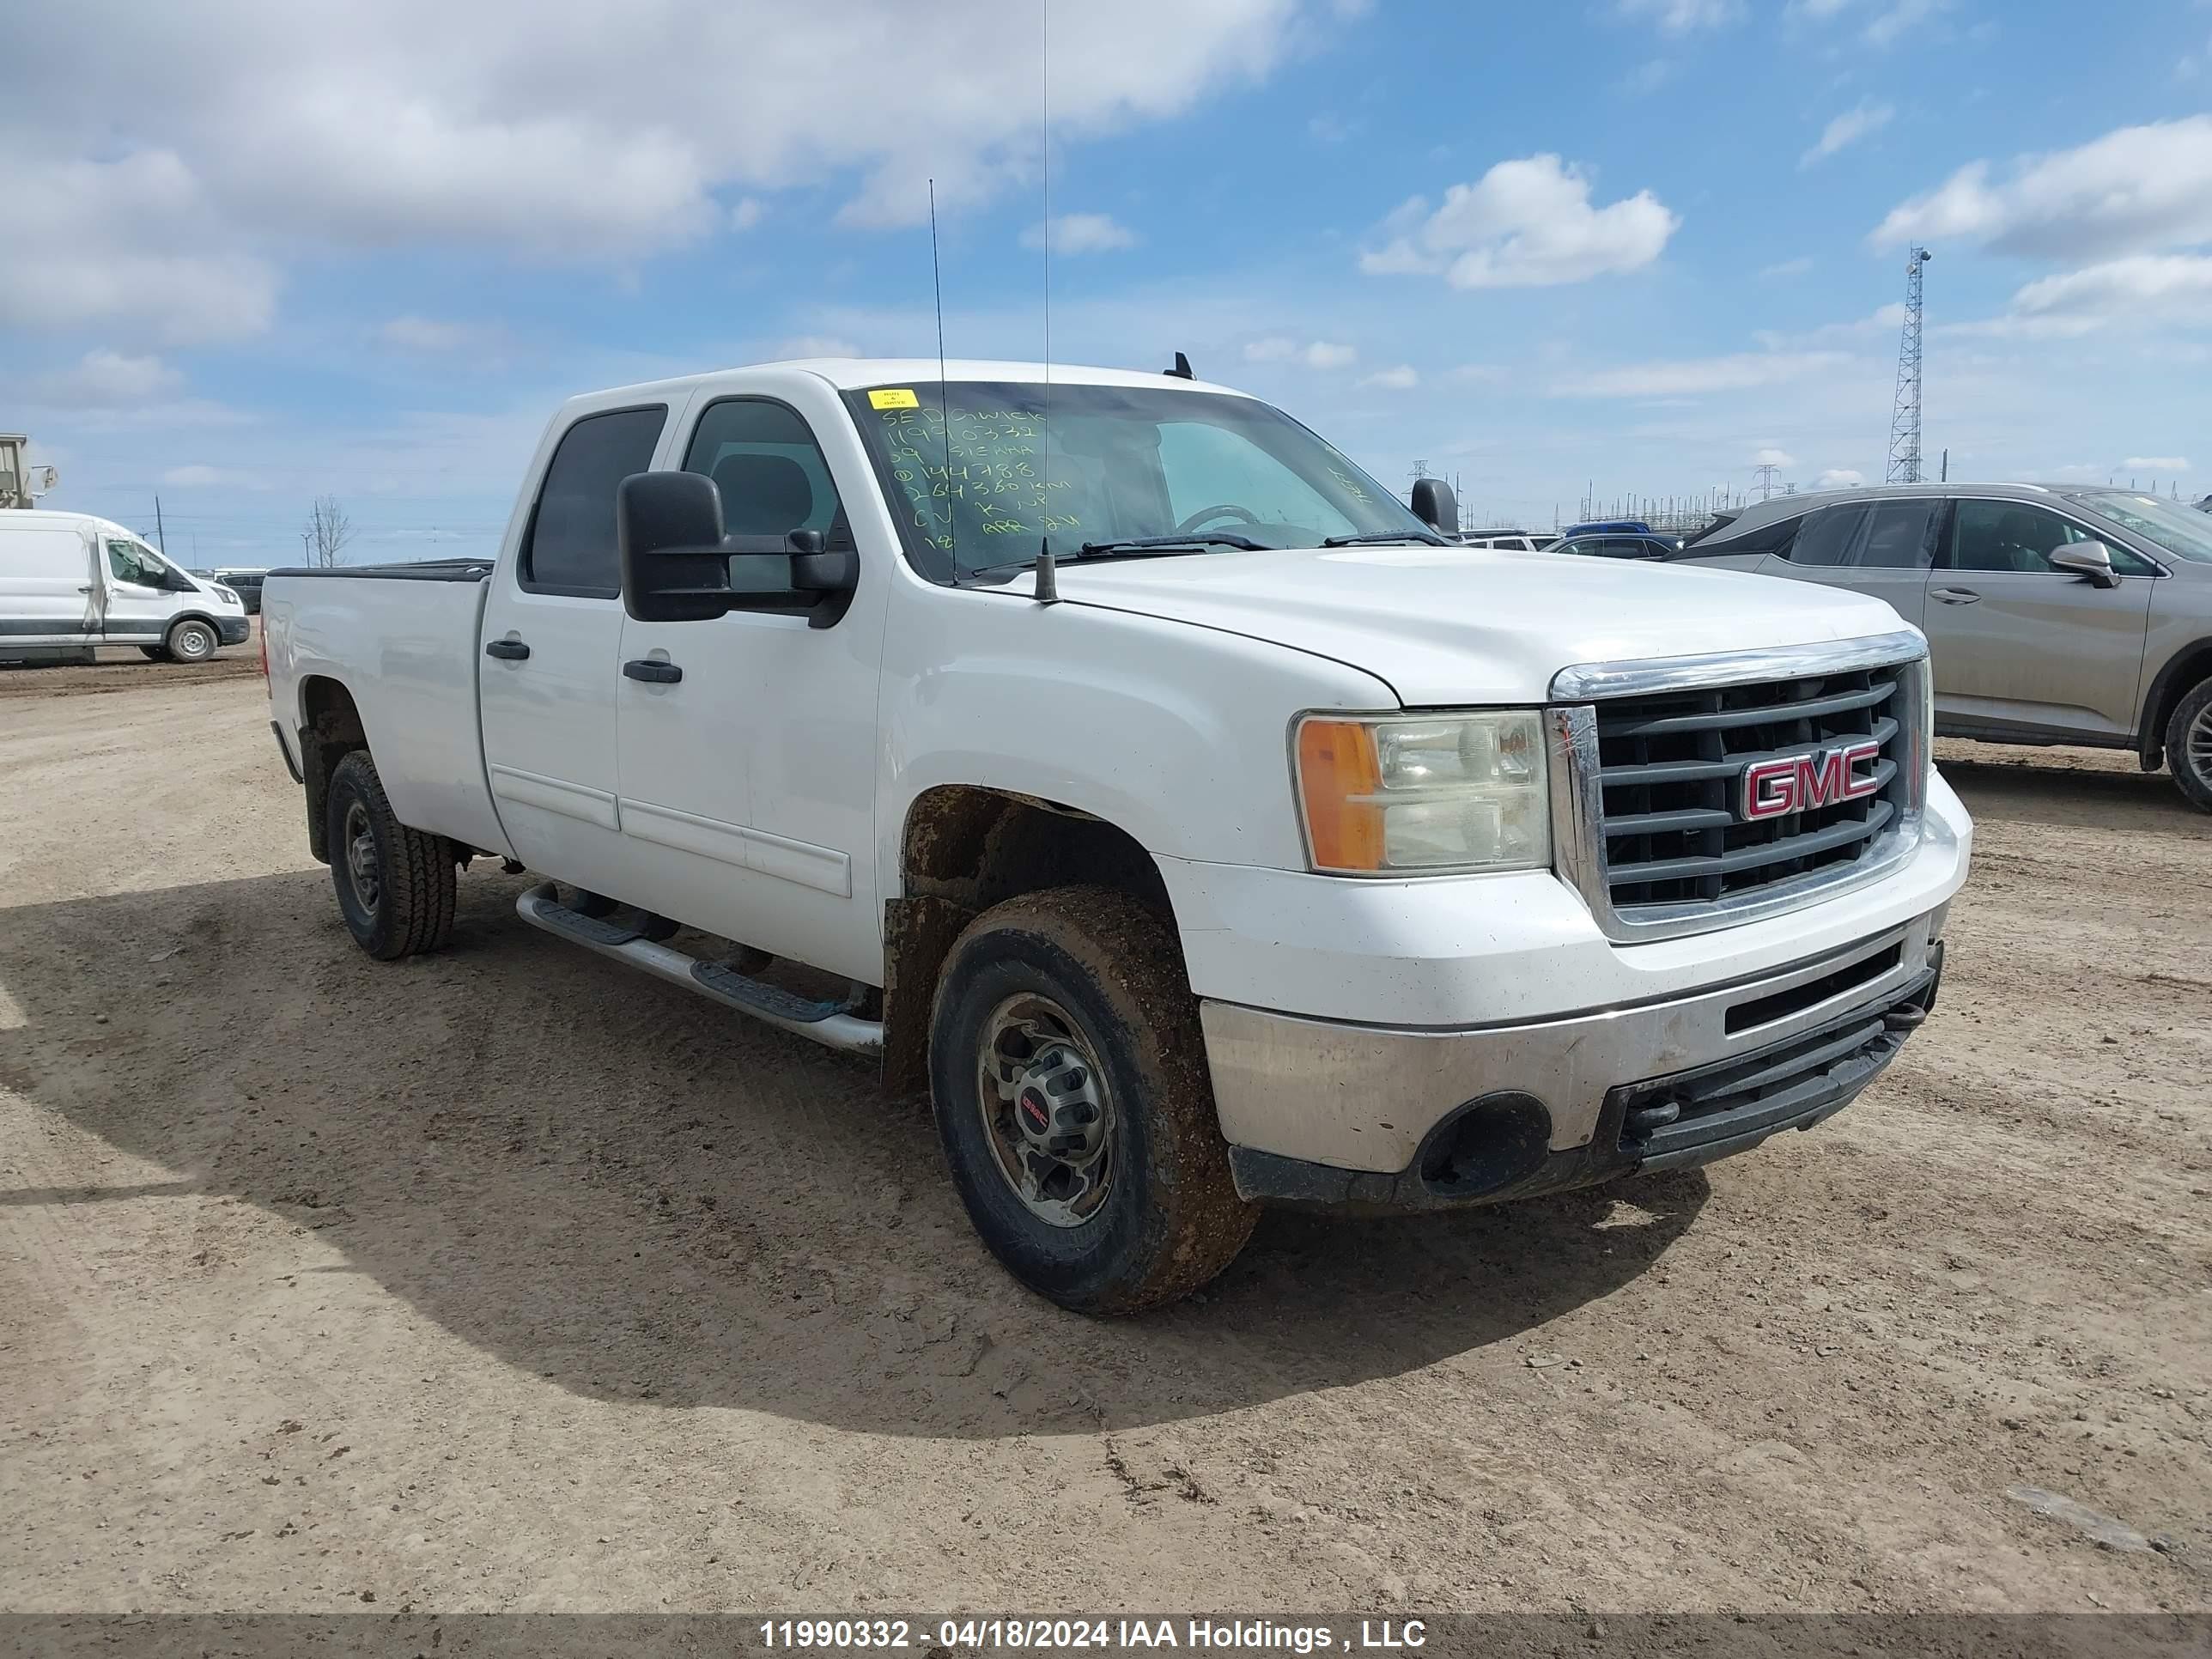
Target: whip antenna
{"x": 1047, "y": 575}
{"x": 944, "y": 406}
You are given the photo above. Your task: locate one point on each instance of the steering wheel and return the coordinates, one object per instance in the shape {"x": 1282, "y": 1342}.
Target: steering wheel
{"x": 1221, "y": 510}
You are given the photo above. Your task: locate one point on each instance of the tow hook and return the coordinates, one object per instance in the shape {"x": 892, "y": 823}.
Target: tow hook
{"x": 1656, "y": 1114}
{"x": 1907, "y": 1017}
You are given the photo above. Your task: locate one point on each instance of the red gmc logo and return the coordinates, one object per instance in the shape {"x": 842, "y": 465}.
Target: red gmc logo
{"x": 1798, "y": 783}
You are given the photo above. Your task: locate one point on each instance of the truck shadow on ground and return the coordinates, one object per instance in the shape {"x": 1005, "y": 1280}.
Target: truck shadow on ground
{"x": 609, "y": 1184}
{"x": 2111, "y": 798}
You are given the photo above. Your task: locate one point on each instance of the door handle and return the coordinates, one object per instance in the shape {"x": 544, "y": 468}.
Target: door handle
{"x": 506, "y": 650}
{"x": 652, "y": 672}
{"x": 87, "y": 588}
{"x": 1954, "y": 595}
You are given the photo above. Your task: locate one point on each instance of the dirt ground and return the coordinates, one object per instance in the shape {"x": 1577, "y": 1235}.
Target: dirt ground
{"x": 508, "y": 1280}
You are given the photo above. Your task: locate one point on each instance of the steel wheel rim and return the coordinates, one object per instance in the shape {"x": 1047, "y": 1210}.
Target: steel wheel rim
{"x": 193, "y": 643}
{"x": 1048, "y": 1109}
{"x": 360, "y": 857}
{"x": 2197, "y": 746}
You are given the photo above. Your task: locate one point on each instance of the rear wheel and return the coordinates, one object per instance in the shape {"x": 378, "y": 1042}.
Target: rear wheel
{"x": 395, "y": 885}
{"x": 2189, "y": 745}
{"x": 191, "y": 641}
{"x": 1068, "y": 1078}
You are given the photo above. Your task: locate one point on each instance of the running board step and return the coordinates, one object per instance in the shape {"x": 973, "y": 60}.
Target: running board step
{"x": 830, "y": 1024}
{"x": 726, "y": 981}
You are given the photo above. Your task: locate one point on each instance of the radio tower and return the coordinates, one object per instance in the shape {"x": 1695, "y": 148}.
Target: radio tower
{"x": 1904, "y": 420}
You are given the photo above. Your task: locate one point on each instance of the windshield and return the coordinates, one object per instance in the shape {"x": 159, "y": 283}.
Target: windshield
{"x": 2181, "y": 531}
{"x": 978, "y": 474}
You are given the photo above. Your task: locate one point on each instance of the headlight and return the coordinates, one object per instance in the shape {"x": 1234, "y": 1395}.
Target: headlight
{"x": 1412, "y": 794}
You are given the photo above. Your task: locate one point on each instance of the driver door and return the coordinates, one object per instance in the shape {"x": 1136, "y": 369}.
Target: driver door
{"x": 138, "y": 598}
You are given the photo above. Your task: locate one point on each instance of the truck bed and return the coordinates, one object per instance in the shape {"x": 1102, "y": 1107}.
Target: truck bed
{"x": 403, "y": 643}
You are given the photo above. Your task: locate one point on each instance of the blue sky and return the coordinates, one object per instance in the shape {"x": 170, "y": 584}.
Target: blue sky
{"x": 1645, "y": 244}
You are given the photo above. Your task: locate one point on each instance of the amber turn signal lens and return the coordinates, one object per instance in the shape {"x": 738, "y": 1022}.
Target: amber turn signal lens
{"x": 1337, "y": 778}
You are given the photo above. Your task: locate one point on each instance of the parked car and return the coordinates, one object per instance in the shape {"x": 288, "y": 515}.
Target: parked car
{"x": 246, "y": 580}
{"x": 2054, "y": 613}
{"x": 70, "y": 582}
{"x": 1606, "y": 527}
{"x": 1619, "y": 544}
{"x": 1515, "y": 541}
{"x": 1259, "y": 845}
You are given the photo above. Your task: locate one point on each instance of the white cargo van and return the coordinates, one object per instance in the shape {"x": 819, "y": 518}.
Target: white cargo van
{"x": 69, "y": 581}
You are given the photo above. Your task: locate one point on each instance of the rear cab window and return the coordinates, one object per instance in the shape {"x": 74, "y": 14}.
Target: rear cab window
{"x": 569, "y": 546}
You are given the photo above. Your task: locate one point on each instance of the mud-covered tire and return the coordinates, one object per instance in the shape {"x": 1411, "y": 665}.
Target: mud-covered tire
{"x": 1169, "y": 1219}
{"x": 191, "y": 641}
{"x": 395, "y": 885}
{"x": 155, "y": 653}
{"x": 2189, "y": 746}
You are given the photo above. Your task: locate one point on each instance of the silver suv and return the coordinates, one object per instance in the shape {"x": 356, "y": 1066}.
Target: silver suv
{"x": 2053, "y": 614}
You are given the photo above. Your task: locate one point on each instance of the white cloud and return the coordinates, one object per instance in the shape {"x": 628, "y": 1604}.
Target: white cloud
{"x": 1525, "y": 223}
{"x": 1281, "y": 348}
{"x": 412, "y": 333}
{"x": 1839, "y": 478}
{"x": 1770, "y": 456}
{"x": 564, "y": 134}
{"x": 2134, "y": 190}
{"x": 2155, "y": 463}
{"x": 1900, "y": 19}
{"x": 816, "y": 345}
{"x": 106, "y": 380}
{"x": 1691, "y": 377}
{"x": 1080, "y": 233}
{"x": 1404, "y": 378}
{"x": 1848, "y": 128}
{"x": 1680, "y": 17}
{"x": 2140, "y": 285}
{"x": 121, "y": 244}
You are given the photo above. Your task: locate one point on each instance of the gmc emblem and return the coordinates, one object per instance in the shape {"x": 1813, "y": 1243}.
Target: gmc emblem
{"x": 1798, "y": 783}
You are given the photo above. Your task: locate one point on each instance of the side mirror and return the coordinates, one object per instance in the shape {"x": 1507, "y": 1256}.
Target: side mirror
{"x": 668, "y": 538}
{"x": 677, "y": 565}
{"x": 2092, "y": 560}
{"x": 1434, "y": 506}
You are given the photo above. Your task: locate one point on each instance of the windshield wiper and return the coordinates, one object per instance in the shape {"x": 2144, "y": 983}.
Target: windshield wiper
{"x": 1134, "y": 547}
{"x": 1427, "y": 538}
{"x": 1192, "y": 538}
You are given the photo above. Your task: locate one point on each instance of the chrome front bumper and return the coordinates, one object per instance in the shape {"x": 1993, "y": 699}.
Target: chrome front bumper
{"x": 1372, "y": 1101}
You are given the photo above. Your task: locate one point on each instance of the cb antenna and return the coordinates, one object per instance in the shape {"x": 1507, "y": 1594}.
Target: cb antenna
{"x": 1046, "y": 591}
{"x": 944, "y": 395}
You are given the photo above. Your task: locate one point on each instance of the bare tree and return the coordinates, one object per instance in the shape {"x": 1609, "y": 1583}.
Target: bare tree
{"x": 327, "y": 532}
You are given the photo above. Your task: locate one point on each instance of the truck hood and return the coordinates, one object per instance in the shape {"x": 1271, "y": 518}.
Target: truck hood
{"x": 1443, "y": 625}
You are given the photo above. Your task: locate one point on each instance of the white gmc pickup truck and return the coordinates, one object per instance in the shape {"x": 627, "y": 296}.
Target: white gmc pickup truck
{"x": 1106, "y": 753}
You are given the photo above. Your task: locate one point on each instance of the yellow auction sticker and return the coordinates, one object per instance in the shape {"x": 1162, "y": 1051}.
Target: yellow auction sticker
{"x": 893, "y": 397}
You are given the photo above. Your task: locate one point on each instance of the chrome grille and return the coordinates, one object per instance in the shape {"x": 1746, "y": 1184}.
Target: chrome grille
{"x": 1664, "y": 842}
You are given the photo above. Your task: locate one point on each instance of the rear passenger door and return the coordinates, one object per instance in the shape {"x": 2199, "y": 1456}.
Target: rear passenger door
{"x": 1882, "y": 548}
{"x": 552, "y": 657}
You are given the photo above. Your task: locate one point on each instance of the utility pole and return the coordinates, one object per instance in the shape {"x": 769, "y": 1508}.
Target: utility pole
{"x": 1946, "y": 478}
{"x": 160, "y": 540}
{"x": 1904, "y": 416}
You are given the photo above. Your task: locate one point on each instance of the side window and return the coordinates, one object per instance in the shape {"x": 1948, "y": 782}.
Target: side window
{"x": 570, "y": 546}
{"x": 123, "y": 559}
{"x": 1624, "y": 547}
{"x": 764, "y": 461}
{"x": 1897, "y": 537}
{"x": 1827, "y": 536}
{"x": 2012, "y": 536}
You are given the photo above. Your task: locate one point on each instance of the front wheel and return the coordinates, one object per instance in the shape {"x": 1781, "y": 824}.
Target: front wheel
{"x": 191, "y": 641}
{"x": 395, "y": 885}
{"x": 2189, "y": 745}
{"x": 1068, "y": 1078}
